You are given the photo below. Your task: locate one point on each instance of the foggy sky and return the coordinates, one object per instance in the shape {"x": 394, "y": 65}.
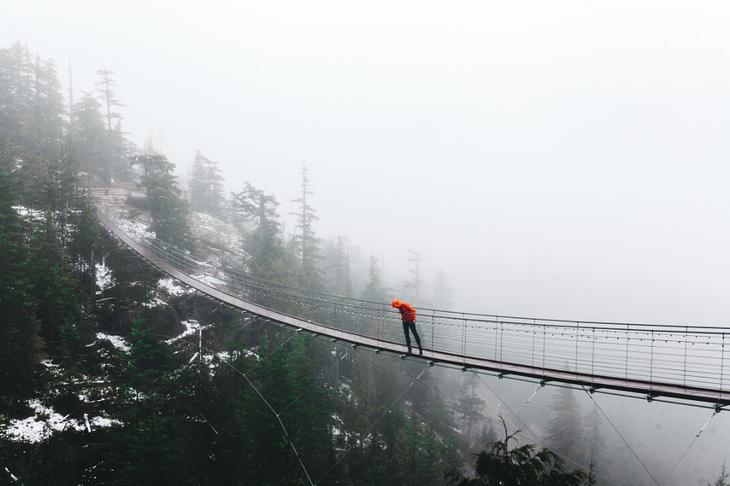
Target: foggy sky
{"x": 561, "y": 159}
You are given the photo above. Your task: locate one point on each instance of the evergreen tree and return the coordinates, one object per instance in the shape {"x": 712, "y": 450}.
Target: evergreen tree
{"x": 597, "y": 443}
{"x": 263, "y": 244}
{"x": 565, "y": 429}
{"x": 17, "y": 72}
{"x": 502, "y": 465}
{"x": 168, "y": 210}
{"x": 337, "y": 268}
{"x": 105, "y": 91}
{"x": 469, "y": 412}
{"x": 205, "y": 185}
{"x": 723, "y": 479}
{"x": 115, "y": 146}
{"x": 374, "y": 289}
{"x": 424, "y": 458}
{"x": 305, "y": 240}
{"x": 31, "y": 113}
{"x": 56, "y": 290}
{"x": 286, "y": 378}
{"x": 19, "y": 341}
{"x": 48, "y": 111}
{"x": 88, "y": 140}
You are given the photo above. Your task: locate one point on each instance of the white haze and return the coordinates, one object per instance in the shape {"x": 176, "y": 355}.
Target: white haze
{"x": 555, "y": 158}
{"x": 565, "y": 158}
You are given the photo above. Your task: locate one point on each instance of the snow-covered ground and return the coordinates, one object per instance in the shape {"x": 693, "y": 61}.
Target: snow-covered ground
{"x": 117, "y": 341}
{"x": 218, "y": 241}
{"x": 191, "y": 327}
{"x": 29, "y": 214}
{"x": 104, "y": 278}
{"x": 136, "y": 229}
{"x": 173, "y": 288}
{"x": 155, "y": 302}
{"x": 46, "y": 421}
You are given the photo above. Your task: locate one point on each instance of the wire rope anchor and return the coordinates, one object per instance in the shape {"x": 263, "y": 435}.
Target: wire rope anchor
{"x": 650, "y": 396}
{"x": 540, "y": 386}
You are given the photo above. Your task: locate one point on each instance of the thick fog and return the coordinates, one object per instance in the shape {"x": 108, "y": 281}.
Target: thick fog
{"x": 560, "y": 159}
{"x": 557, "y": 159}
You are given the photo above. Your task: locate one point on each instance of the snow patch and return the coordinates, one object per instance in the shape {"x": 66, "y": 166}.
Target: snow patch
{"x": 136, "y": 229}
{"x": 117, "y": 341}
{"x": 46, "y": 421}
{"x": 104, "y": 278}
{"x": 28, "y": 213}
{"x": 172, "y": 287}
{"x": 191, "y": 327}
{"x": 156, "y": 302}
{"x": 12, "y": 476}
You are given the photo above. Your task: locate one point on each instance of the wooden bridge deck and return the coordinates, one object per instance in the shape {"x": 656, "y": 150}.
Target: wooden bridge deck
{"x": 650, "y": 389}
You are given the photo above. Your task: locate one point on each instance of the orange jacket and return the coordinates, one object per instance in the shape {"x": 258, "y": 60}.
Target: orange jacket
{"x": 407, "y": 311}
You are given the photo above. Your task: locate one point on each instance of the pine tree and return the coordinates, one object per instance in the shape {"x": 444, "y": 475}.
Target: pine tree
{"x": 105, "y": 91}
{"x": 306, "y": 241}
{"x": 500, "y": 464}
{"x": 57, "y": 293}
{"x": 88, "y": 140}
{"x": 205, "y": 185}
{"x": 168, "y": 210}
{"x": 424, "y": 458}
{"x": 115, "y": 146}
{"x": 19, "y": 341}
{"x": 337, "y": 268}
{"x": 31, "y": 113}
{"x": 469, "y": 411}
{"x": 597, "y": 443}
{"x": 263, "y": 244}
{"x": 565, "y": 429}
{"x": 723, "y": 479}
{"x": 374, "y": 290}
{"x": 48, "y": 112}
{"x": 17, "y": 96}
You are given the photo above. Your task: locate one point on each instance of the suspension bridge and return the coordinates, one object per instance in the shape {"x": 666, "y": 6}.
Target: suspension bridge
{"x": 684, "y": 362}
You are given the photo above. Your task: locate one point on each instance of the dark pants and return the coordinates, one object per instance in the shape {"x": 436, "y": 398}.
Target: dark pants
{"x": 411, "y": 325}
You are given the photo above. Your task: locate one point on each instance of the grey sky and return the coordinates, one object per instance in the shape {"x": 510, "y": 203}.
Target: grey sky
{"x": 564, "y": 159}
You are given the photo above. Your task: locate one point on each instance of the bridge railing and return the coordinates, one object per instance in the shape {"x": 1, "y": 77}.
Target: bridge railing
{"x": 685, "y": 355}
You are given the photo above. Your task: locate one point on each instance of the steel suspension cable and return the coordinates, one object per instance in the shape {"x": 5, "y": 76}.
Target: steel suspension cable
{"x": 383, "y": 414}
{"x": 537, "y": 437}
{"x": 605, "y": 415}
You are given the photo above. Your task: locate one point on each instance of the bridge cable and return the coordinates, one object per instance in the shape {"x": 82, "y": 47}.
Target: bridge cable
{"x": 263, "y": 398}
{"x": 620, "y": 435}
{"x": 692, "y": 443}
{"x": 385, "y": 412}
{"x": 537, "y": 437}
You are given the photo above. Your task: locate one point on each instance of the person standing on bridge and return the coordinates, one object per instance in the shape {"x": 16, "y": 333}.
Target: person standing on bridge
{"x": 408, "y": 315}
